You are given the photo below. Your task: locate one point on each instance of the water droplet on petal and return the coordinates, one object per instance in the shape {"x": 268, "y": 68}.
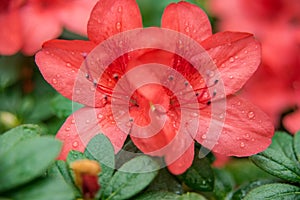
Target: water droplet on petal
{"x": 118, "y": 26}
{"x": 238, "y": 103}
{"x": 231, "y": 59}
{"x": 251, "y": 115}
{"x": 73, "y": 121}
{"x": 77, "y": 91}
{"x": 236, "y": 57}
{"x": 245, "y": 51}
{"x": 87, "y": 121}
{"x": 54, "y": 81}
{"x": 242, "y": 144}
{"x": 100, "y": 116}
{"x": 187, "y": 29}
{"x": 203, "y": 137}
{"x": 231, "y": 77}
{"x": 68, "y": 129}
{"x": 194, "y": 114}
{"x": 120, "y": 9}
{"x": 247, "y": 135}
{"x": 68, "y": 64}
{"x": 75, "y": 144}
{"x": 47, "y": 52}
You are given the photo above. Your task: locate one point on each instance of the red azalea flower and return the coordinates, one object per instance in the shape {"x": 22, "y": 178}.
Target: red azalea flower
{"x": 246, "y": 130}
{"x": 276, "y": 23}
{"x": 29, "y": 23}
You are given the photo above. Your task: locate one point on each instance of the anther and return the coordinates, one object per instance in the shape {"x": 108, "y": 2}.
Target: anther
{"x": 171, "y": 78}
{"x": 208, "y": 103}
{"x": 95, "y": 82}
{"x": 116, "y": 76}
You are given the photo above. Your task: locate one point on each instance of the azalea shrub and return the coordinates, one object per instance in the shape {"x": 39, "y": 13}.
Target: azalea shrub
{"x": 129, "y": 99}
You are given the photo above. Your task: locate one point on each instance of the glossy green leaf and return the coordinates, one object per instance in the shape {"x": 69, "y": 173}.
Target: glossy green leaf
{"x": 296, "y": 145}
{"x": 64, "y": 107}
{"x": 27, "y": 160}
{"x": 191, "y": 196}
{"x": 224, "y": 183}
{"x": 274, "y": 191}
{"x": 100, "y": 148}
{"x": 242, "y": 191}
{"x": 161, "y": 195}
{"x": 166, "y": 182}
{"x": 199, "y": 176}
{"x": 12, "y": 137}
{"x": 131, "y": 178}
{"x": 74, "y": 155}
{"x": 44, "y": 189}
{"x": 279, "y": 159}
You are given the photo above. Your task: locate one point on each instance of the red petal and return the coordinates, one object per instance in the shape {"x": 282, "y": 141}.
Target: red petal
{"x": 292, "y": 122}
{"x": 75, "y": 15}
{"x": 245, "y": 131}
{"x": 188, "y": 19}
{"x": 84, "y": 124}
{"x": 10, "y": 34}
{"x": 59, "y": 62}
{"x": 38, "y": 27}
{"x": 112, "y": 17}
{"x": 180, "y": 165}
{"x": 237, "y": 56}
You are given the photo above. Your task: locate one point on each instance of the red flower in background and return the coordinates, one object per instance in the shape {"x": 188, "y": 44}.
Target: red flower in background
{"x": 276, "y": 23}
{"x": 26, "y": 24}
{"x": 246, "y": 130}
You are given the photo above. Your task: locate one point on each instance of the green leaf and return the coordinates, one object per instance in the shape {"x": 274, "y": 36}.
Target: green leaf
{"x": 100, "y": 148}
{"x": 44, "y": 189}
{"x": 27, "y": 160}
{"x": 297, "y": 145}
{"x": 199, "y": 176}
{"x": 224, "y": 183}
{"x": 64, "y": 107}
{"x": 166, "y": 182}
{"x": 12, "y": 137}
{"x": 74, "y": 155}
{"x": 274, "y": 191}
{"x": 9, "y": 70}
{"x": 191, "y": 196}
{"x": 162, "y": 195}
{"x": 242, "y": 191}
{"x": 279, "y": 159}
{"x": 245, "y": 171}
{"x": 131, "y": 178}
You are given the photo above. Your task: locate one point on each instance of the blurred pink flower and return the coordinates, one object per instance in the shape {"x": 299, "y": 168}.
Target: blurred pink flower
{"x": 26, "y": 24}
{"x": 276, "y": 23}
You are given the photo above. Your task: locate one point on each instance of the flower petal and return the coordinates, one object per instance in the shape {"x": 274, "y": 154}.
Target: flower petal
{"x": 10, "y": 34}
{"x": 34, "y": 36}
{"x": 75, "y": 15}
{"x": 246, "y": 129}
{"x": 237, "y": 56}
{"x": 112, "y": 17}
{"x": 292, "y": 122}
{"x": 59, "y": 62}
{"x": 180, "y": 165}
{"x": 84, "y": 124}
{"x": 188, "y": 19}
